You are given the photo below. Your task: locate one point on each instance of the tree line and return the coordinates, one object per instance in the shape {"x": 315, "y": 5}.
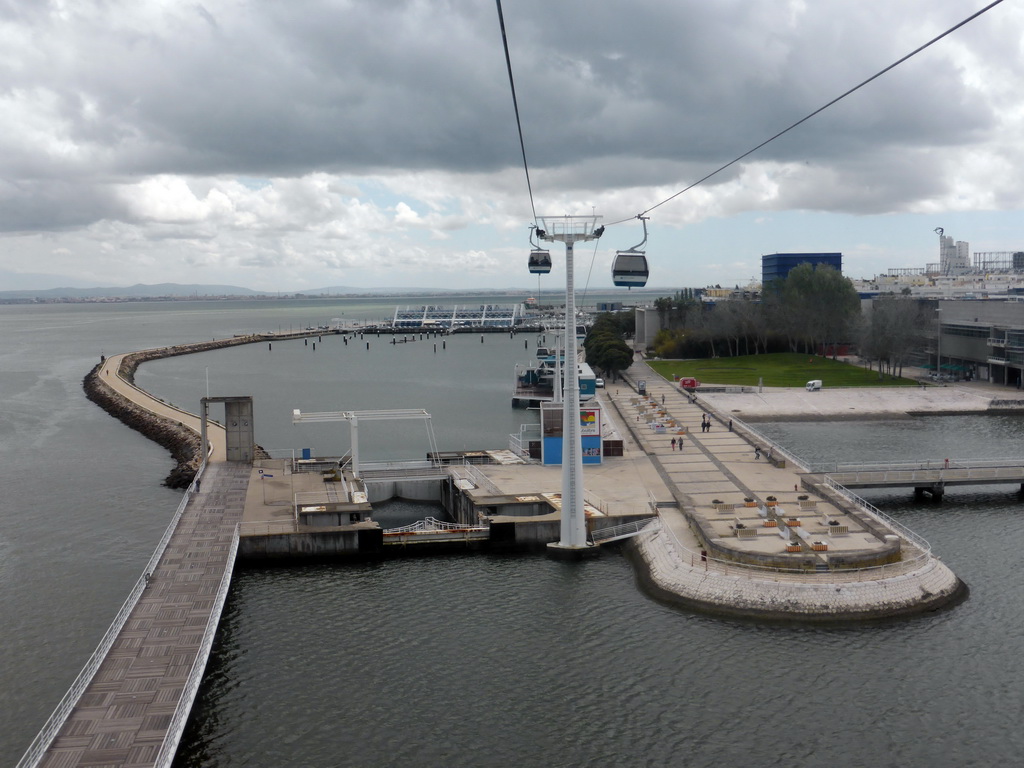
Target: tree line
{"x": 814, "y": 310}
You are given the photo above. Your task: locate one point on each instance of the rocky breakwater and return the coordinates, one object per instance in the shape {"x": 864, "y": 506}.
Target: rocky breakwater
{"x": 183, "y": 442}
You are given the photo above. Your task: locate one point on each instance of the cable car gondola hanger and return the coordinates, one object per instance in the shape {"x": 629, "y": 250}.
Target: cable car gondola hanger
{"x": 629, "y": 270}
{"x": 540, "y": 259}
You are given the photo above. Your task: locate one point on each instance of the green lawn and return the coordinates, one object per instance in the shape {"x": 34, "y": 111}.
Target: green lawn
{"x": 776, "y": 370}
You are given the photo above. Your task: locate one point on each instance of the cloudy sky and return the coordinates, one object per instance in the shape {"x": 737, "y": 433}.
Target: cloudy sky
{"x": 372, "y": 143}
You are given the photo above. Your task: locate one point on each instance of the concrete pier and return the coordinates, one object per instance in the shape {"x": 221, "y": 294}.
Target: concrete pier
{"x": 729, "y": 530}
{"x": 729, "y": 546}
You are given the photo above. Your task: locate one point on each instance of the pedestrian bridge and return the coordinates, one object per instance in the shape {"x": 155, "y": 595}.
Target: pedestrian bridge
{"x": 129, "y": 705}
{"x": 929, "y": 477}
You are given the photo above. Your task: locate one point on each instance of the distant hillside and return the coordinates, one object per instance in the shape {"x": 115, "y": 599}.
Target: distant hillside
{"x": 160, "y": 290}
{"x": 178, "y": 291}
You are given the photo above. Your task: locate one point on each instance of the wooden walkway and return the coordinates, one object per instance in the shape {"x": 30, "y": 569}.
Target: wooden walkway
{"x": 133, "y": 710}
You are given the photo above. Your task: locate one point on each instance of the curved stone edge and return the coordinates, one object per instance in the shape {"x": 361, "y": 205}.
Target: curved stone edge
{"x": 665, "y": 577}
{"x": 183, "y": 443}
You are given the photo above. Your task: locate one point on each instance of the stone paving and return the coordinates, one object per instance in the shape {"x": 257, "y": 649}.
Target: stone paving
{"x": 215, "y": 432}
{"x": 720, "y": 464}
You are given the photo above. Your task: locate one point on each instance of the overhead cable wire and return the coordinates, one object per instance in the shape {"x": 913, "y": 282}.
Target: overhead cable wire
{"x": 515, "y": 105}
{"x": 586, "y": 285}
{"x": 818, "y": 111}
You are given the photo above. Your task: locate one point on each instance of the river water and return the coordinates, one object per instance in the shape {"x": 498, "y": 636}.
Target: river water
{"x": 475, "y": 660}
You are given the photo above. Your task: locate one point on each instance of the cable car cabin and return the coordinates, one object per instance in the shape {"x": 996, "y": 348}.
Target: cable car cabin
{"x": 629, "y": 270}
{"x": 540, "y": 262}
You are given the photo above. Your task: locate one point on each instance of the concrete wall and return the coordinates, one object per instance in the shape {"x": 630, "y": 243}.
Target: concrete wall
{"x": 662, "y": 572}
{"x": 311, "y": 545}
{"x": 413, "y": 490}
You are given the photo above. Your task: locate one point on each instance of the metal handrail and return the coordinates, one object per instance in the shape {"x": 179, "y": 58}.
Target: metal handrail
{"x": 880, "y": 516}
{"x": 432, "y": 524}
{"x": 37, "y": 749}
{"x": 195, "y": 676}
{"x": 625, "y": 529}
{"x": 909, "y": 466}
{"x": 388, "y": 466}
{"x": 473, "y": 474}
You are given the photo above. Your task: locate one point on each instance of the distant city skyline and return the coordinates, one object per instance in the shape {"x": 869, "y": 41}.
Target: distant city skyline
{"x": 283, "y": 147}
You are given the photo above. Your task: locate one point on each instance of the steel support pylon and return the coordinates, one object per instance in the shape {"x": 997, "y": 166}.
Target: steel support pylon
{"x": 570, "y": 230}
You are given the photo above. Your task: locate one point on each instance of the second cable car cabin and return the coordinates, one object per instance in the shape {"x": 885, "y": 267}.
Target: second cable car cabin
{"x": 540, "y": 262}
{"x": 629, "y": 270}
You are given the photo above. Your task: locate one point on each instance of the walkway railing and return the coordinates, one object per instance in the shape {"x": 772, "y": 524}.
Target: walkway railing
{"x": 898, "y": 528}
{"x": 911, "y": 466}
{"x": 433, "y": 525}
{"x": 385, "y": 470}
{"x": 624, "y": 531}
{"x": 56, "y": 721}
{"x": 472, "y": 474}
{"x": 195, "y": 677}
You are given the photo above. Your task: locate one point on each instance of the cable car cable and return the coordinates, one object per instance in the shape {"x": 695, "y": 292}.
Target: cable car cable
{"x": 515, "y": 105}
{"x": 895, "y": 64}
{"x": 586, "y": 285}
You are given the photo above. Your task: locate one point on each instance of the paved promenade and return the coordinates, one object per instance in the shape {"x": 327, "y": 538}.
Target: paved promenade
{"x": 836, "y": 404}
{"x": 719, "y": 464}
{"x": 215, "y": 432}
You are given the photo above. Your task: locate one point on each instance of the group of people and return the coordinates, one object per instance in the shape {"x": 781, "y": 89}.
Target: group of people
{"x": 678, "y": 442}
{"x": 705, "y": 423}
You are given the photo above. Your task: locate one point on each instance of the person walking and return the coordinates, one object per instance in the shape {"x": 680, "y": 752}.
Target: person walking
{"x": 673, "y": 443}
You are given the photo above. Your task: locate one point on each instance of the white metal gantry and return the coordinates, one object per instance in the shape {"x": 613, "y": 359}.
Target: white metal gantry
{"x": 354, "y": 417}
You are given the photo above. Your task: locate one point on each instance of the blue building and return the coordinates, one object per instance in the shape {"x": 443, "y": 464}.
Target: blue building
{"x": 776, "y": 266}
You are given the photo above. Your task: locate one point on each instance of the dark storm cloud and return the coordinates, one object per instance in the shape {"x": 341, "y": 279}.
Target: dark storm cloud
{"x": 657, "y": 92}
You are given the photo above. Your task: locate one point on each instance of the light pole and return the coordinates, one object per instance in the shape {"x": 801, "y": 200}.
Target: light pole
{"x": 573, "y": 541}
{"x": 938, "y": 342}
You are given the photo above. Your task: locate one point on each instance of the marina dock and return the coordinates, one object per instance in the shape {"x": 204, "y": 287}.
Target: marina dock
{"x": 715, "y": 526}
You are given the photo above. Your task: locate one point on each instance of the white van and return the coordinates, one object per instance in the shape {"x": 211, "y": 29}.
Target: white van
{"x": 813, "y": 385}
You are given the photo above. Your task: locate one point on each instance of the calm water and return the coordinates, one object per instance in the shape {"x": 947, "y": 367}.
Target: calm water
{"x": 476, "y": 660}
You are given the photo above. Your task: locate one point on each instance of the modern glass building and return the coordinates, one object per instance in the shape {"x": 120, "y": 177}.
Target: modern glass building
{"x": 776, "y": 266}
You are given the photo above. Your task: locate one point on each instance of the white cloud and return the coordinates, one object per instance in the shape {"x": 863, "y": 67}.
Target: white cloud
{"x": 371, "y": 142}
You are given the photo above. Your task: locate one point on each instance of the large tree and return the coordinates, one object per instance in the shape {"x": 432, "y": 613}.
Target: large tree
{"x": 892, "y": 331}
{"x": 606, "y": 347}
{"x": 819, "y": 305}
